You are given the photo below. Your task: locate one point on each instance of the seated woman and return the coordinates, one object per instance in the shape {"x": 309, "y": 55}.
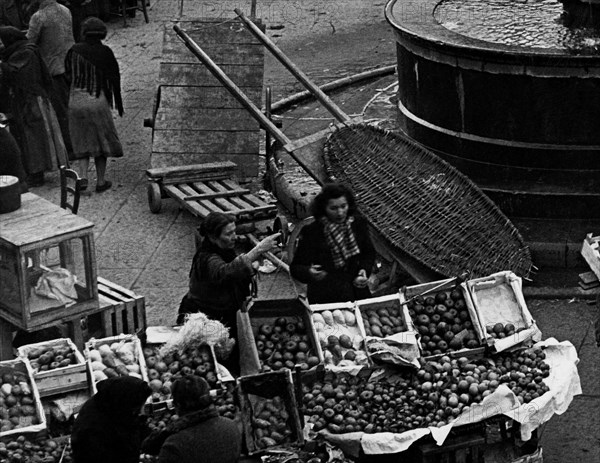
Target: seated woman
{"x": 200, "y": 435}
{"x": 220, "y": 278}
{"x": 335, "y": 254}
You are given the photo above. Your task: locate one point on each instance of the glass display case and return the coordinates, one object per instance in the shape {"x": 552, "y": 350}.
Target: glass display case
{"x": 47, "y": 265}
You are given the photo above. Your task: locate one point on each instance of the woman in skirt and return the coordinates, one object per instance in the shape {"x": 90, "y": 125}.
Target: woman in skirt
{"x": 95, "y": 89}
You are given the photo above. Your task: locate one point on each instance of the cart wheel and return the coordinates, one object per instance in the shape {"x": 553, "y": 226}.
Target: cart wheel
{"x": 280, "y": 225}
{"x": 154, "y": 197}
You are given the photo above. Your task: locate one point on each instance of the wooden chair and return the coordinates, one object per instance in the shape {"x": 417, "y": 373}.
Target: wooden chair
{"x": 141, "y": 5}
{"x": 70, "y": 184}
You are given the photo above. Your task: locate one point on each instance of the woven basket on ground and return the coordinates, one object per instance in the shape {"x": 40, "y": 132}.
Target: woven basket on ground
{"x": 424, "y": 206}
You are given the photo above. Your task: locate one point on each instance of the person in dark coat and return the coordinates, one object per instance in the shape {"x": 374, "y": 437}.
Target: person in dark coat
{"x": 10, "y": 156}
{"x": 200, "y": 435}
{"x": 335, "y": 254}
{"x": 108, "y": 427}
{"x": 220, "y": 278}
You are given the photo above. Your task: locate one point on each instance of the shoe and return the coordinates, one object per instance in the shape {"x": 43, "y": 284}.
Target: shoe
{"x": 105, "y": 186}
{"x": 83, "y": 185}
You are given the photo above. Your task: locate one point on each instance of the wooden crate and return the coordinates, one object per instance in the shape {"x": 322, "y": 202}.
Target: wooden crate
{"x": 589, "y": 251}
{"x": 431, "y": 290}
{"x": 498, "y": 298}
{"x": 356, "y": 333}
{"x": 73, "y": 377}
{"x": 267, "y": 311}
{"x": 22, "y": 365}
{"x": 123, "y": 338}
{"x": 403, "y": 346}
{"x": 256, "y": 392}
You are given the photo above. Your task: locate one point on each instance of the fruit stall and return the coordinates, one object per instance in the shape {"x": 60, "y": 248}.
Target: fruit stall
{"x": 443, "y": 371}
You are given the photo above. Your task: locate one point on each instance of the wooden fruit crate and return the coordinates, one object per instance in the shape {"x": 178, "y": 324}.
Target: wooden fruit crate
{"x": 356, "y": 333}
{"x": 498, "y": 298}
{"x": 267, "y": 311}
{"x": 72, "y": 377}
{"x": 254, "y": 391}
{"x": 123, "y": 338}
{"x": 22, "y": 365}
{"x": 401, "y": 348}
{"x": 431, "y": 290}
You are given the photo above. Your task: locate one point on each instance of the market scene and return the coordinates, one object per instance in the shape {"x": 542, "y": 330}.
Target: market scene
{"x": 349, "y": 231}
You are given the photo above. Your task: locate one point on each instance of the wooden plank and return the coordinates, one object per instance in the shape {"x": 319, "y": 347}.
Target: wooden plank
{"x": 140, "y": 314}
{"x": 221, "y": 54}
{"x": 198, "y": 74}
{"x": 247, "y": 163}
{"x": 200, "y": 118}
{"x": 220, "y": 201}
{"x": 188, "y": 190}
{"x": 254, "y": 200}
{"x": 210, "y": 32}
{"x": 194, "y": 207}
{"x": 205, "y": 96}
{"x": 181, "y": 172}
{"x": 221, "y": 194}
{"x": 199, "y": 141}
{"x": 239, "y": 202}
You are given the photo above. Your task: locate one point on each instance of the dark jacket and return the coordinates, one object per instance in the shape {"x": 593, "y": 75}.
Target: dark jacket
{"x": 219, "y": 279}
{"x": 108, "y": 428}
{"x": 199, "y": 437}
{"x": 337, "y": 286}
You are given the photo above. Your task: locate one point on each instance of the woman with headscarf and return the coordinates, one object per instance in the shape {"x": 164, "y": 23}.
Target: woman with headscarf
{"x": 95, "y": 89}
{"x": 26, "y": 82}
{"x": 335, "y": 254}
{"x": 108, "y": 427}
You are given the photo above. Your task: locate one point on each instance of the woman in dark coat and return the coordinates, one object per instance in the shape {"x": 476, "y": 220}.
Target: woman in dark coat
{"x": 25, "y": 79}
{"x": 220, "y": 278}
{"x": 200, "y": 435}
{"x": 335, "y": 254}
{"x": 108, "y": 427}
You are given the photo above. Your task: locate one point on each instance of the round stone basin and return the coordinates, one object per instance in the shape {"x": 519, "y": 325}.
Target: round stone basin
{"x": 524, "y": 23}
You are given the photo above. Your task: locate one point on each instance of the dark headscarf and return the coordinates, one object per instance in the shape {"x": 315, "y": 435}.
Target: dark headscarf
{"x": 121, "y": 395}
{"x": 92, "y": 66}
{"x": 22, "y": 64}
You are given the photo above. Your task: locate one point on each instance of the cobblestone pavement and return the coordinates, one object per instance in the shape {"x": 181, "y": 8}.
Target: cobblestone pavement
{"x": 151, "y": 253}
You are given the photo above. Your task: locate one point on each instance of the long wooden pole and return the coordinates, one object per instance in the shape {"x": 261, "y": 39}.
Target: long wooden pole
{"x": 334, "y": 109}
{"x": 255, "y": 112}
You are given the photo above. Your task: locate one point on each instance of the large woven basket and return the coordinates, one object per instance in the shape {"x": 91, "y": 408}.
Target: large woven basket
{"x": 424, "y": 206}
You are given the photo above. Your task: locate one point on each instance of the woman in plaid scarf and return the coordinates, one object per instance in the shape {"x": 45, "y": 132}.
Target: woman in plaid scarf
{"x": 335, "y": 254}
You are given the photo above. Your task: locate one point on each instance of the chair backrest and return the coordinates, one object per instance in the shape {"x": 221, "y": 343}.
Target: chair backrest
{"x": 70, "y": 184}
{"x": 292, "y": 243}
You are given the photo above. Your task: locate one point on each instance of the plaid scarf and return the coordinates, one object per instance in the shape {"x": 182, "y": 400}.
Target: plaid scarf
{"x": 341, "y": 241}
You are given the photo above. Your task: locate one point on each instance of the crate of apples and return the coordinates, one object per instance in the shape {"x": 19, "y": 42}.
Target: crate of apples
{"x": 340, "y": 334}
{"x": 164, "y": 368}
{"x": 502, "y": 317}
{"x": 115, "y": 356}
{"x": 442, "y": 318}
{"x": 57, "y": 365}
{"x": 20, "y": 405}
{"x": 284, "y": 334}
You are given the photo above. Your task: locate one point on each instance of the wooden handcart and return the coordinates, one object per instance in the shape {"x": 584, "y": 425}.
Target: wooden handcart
{"x": 205, "y": 188}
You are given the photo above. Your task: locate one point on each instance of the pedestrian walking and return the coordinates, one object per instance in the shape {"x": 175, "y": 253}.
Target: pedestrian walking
{"x": 51, "y": 28}
{"x": 26, "y": 81}
{"x": 95, "y": 89}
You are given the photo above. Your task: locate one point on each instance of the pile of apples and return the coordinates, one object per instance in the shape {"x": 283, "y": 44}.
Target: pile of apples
{"x": 23, "y": 450}
{"x": 340, "y": 337}
{"x": 443, "y": 323}
{"x": 270, "y": 422}
{"x": 163, "y": 370}
{"x": 433, "y": 396}
{"x": 50, "y": 358}
{"x": 383, "y": 321}
{"x": 115, "y": 359}
{"x": 17, "y": 403}
{"x": 284, "y": 343}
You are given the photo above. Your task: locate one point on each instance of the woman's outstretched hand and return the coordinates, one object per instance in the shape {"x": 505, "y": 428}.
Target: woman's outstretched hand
{"x": 265, "y": 245}
{"x": 361, "y": 280}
